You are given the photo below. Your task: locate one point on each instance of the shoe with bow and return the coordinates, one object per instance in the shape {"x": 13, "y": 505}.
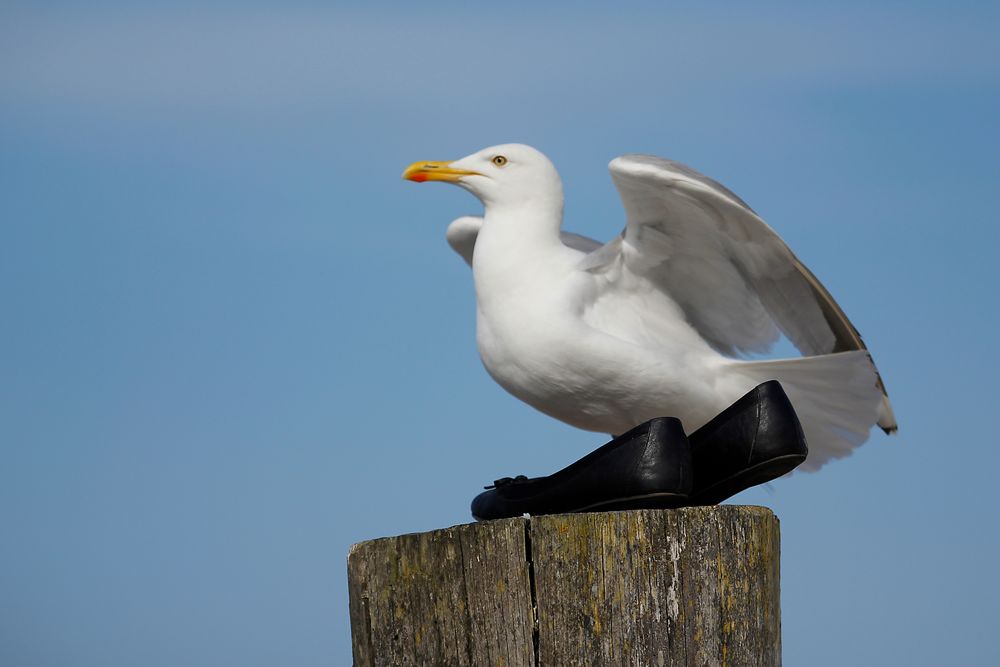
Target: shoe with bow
{"x": 648, "y": 467}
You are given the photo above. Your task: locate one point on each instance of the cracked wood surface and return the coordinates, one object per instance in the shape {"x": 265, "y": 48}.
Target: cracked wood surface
{"x": 458, "y": 596}
{"x": 695, "y": 586}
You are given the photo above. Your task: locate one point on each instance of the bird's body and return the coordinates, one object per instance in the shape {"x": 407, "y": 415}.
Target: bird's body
{"x": 534, "y": 341}
{"x": 606, "y": 337}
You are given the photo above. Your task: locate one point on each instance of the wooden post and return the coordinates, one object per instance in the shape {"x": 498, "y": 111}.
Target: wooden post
{"x": 694, "y": 586}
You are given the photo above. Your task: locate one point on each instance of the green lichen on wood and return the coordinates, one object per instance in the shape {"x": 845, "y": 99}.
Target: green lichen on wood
{"x": 696, "y": 586}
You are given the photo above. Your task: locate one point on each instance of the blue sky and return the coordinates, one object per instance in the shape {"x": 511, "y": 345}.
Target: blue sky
{"x": 234, "y": 342}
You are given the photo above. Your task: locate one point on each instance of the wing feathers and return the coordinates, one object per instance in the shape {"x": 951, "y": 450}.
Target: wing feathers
{"x": 736, "y": 280}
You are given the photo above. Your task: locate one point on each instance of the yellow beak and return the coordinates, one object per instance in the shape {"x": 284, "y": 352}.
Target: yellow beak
{"x": 435, "y": 171}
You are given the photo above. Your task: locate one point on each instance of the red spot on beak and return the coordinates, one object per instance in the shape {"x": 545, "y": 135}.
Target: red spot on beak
{"x": 419, "y": 178}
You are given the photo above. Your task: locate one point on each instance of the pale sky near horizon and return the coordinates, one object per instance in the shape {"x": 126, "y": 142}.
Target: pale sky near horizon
{"x": 234, "y": 342}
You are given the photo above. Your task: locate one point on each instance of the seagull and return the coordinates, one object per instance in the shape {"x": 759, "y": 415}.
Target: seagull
{"x": 660, "y": 320}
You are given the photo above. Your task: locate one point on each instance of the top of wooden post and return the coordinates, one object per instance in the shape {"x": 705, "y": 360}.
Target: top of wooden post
{"x": 645, "y": 587}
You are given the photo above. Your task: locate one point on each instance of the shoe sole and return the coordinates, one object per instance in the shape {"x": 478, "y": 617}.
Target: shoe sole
{"x": 746, "y": 478}
{"x": 662, "y": 500}
{"x": 648, "y": 501}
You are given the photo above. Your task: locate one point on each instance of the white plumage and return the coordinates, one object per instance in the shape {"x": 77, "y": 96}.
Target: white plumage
{"x": 604, "y": 337}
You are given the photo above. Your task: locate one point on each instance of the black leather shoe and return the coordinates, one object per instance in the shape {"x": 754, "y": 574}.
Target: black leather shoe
{"x": 756, "y": 439}
{"x": 648, "y": 467}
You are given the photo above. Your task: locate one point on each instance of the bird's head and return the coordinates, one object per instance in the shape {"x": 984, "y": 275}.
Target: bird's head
{"x": 508, "y": 175}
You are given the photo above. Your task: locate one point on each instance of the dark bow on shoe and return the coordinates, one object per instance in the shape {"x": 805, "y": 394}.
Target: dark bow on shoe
{"x": 505, "y": 481}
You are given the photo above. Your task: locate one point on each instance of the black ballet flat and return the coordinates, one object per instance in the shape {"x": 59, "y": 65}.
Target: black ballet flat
{"x": 755, "y": 440}
{"x": 647, "y": 468}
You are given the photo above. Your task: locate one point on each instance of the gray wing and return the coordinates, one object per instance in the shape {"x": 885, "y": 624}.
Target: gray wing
{"x": 736, "y": 280}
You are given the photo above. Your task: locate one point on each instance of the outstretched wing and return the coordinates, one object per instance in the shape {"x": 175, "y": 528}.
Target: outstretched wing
{"x": 735, "y": 279}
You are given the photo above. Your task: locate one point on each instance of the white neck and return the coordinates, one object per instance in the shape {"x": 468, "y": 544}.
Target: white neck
{"x": 538, "y": 218}
{"x": 518, "y": 250}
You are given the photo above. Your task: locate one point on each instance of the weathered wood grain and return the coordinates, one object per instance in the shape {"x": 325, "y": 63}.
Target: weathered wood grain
{"x": 459, "y": 596}
{"x": 695, "y": 586}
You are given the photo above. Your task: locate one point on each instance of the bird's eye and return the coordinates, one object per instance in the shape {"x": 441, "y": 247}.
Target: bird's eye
{"x": 499, "y": 160}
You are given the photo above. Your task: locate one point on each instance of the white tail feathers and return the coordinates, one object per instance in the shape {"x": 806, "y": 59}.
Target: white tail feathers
{"x": 835, "y": 396}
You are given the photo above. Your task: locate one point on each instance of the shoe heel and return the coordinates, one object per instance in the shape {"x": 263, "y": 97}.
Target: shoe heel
{"x": 760, "y": 473}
